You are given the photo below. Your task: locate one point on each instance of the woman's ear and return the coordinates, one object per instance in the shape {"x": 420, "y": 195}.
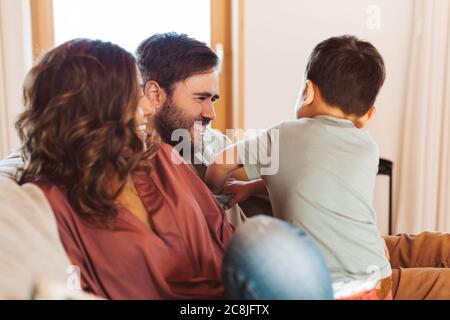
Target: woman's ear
{"x": 362, "y": 122}
{"x": 155, "y": 94}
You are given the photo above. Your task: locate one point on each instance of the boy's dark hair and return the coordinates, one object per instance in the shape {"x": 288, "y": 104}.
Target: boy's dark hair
{"x": 349, "y": 73}
{"x": 170, "y": 57}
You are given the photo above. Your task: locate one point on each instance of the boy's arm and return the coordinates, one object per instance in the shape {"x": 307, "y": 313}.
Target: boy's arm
{"x": 240, "y": 175}
{"x": 221, "y": 169}
{"x": 259, "y": 186}
{"x": 242, "y": 190}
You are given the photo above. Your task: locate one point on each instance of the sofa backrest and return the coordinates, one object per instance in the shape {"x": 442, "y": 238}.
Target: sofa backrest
{"x": 30, "y": 248}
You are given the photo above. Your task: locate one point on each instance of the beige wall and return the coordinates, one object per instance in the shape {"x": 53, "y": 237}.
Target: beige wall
{"x": 279, "y": 35}
{"x": 15, "y": 61}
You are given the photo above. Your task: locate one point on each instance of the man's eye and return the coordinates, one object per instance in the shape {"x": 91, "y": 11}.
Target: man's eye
{"x": 202, "y": 99}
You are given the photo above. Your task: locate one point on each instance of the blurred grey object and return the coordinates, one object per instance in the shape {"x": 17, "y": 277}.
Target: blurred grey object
{"x": 10, "y": 165}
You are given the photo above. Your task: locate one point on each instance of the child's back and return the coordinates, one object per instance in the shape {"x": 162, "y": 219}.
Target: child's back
{"x": 325, "y": 177}
{"x": 325, "y": 183}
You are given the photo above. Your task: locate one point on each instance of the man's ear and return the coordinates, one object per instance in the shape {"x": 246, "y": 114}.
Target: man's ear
{"x": 308, "y": 93}
{"x": 155, "y": 94}
{"x": 362, "y": 122}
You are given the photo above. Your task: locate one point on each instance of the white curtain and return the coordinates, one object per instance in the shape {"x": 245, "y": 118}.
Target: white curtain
{"x": 424, "y": 172}
{"x": 15, "y": 61}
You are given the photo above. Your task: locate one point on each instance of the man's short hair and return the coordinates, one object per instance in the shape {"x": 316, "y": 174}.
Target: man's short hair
{"x": 349, "y": 73}
{"x": 170, "y": 57}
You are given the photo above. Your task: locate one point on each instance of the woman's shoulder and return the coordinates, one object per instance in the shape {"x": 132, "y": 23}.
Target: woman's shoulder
{"x": 48, "y": 187}
{"x": 55, "y": 196}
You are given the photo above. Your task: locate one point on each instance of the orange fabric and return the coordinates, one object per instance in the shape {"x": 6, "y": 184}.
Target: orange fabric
{"x": 424, "y": 250}
{"x": 420, "y": 265}
{"x": 369, "y": 295}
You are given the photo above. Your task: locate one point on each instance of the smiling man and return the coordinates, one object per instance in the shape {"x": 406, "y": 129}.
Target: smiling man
{"x": 182, "y": 83}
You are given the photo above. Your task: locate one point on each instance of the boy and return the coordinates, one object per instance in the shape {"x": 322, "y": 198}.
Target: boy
{"x": 327, "y": 164}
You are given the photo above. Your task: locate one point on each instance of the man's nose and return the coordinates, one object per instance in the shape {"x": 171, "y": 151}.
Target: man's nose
{"x": 209, "y": 111}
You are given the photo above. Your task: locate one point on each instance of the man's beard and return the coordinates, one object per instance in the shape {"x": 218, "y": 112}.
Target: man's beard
{"x": 171, "y": 118}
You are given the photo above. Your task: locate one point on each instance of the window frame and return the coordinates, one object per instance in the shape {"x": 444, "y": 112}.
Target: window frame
{"x": 221, "y": 33}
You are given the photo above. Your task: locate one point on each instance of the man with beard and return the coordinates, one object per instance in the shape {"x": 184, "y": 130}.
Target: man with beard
{"x": 181, "y": 81}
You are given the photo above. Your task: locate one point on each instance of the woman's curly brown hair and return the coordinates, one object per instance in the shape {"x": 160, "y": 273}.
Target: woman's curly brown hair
{"x": 78, "y": 129}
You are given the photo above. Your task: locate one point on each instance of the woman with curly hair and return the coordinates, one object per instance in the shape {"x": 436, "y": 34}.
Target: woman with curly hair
{"x": 133, "y": 217}
{"x": 126, "y": 216}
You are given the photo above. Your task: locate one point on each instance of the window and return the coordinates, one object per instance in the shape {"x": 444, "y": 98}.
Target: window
{"x": 128, "y": 22}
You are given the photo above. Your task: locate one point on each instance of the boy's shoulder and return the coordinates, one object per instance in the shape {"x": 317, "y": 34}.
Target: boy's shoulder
{"x": 325, "y": 123}
{"x": 292, "y": 124}
{"x": 328, "y": 129}
{"x": 300, "y": 125}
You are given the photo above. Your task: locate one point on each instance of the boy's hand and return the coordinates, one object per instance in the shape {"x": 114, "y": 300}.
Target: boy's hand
{"x": 239, "y": 191}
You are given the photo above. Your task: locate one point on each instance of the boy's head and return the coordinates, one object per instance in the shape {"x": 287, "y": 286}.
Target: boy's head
{"x": 344, "y": 76}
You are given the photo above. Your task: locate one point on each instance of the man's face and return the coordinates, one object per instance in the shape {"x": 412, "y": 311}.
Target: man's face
{"x": 190, "y": 107}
